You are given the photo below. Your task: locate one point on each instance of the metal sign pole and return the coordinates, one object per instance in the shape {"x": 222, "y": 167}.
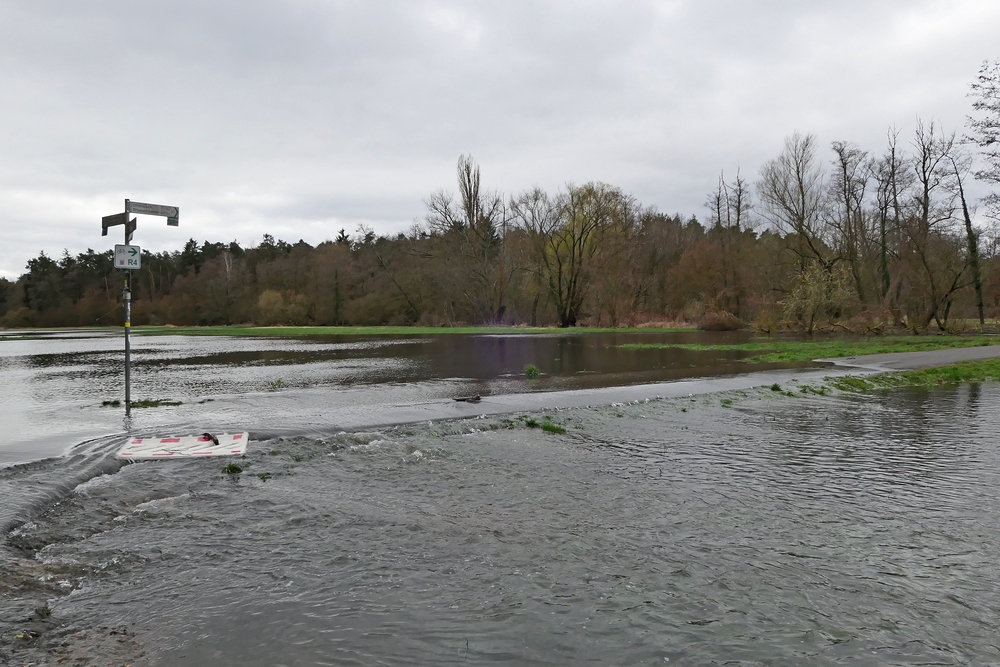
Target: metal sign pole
{"x": 129, "y": 257}
{"x": 128, "y": 325}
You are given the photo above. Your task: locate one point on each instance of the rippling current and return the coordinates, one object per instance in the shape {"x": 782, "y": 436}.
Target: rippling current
{"x": 744, "y": 529}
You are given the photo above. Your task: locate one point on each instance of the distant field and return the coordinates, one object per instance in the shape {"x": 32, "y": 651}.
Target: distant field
{"x": 774, "y": 351}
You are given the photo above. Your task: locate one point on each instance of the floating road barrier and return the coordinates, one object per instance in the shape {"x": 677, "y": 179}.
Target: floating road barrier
{"x": 188, "y": 446}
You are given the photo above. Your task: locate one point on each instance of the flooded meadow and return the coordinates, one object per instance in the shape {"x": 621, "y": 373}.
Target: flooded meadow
{"x": 741, "y": 526}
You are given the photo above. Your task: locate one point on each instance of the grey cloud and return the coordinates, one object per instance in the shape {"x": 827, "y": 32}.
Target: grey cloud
{"x": 300, "y": 118}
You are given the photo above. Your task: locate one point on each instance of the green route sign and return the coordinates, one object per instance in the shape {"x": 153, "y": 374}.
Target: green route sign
{"x": 128, "y": 257}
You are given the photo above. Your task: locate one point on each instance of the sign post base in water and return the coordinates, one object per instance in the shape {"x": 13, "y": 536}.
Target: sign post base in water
{"x": 184, "y": 447}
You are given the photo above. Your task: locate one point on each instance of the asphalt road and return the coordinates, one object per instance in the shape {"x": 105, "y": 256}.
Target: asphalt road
{"x": 907, "y": 361}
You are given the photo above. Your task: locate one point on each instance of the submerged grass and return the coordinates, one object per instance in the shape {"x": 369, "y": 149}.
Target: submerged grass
{"x": 144, "y": 403}
{"x": 772, "y": 351}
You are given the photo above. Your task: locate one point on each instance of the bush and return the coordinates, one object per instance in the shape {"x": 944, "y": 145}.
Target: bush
{"x": 720, "y": 321}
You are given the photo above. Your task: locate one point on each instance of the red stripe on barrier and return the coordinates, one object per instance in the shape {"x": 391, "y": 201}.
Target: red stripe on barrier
{"x": 164, "y": 454}
{"x": 126, "y": 453}
{"x": 237, "y": 451}
{"x": 195, "y": 453}
{"x": 137, "y": 441}
{"x": 238, "y": 436}
{"x": 202, "y": 438}
{"x": 165, "y": 440}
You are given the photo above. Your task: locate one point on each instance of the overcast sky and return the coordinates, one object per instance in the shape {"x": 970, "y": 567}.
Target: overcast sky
{"x": 299, "y": 118}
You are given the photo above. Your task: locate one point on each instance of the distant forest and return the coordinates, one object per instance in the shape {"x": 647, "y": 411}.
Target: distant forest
{"x": 850, "y": 239}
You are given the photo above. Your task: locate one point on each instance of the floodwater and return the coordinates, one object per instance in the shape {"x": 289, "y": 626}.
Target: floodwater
{"x": 55, "y": 384}
{"x": 744, "y": 528}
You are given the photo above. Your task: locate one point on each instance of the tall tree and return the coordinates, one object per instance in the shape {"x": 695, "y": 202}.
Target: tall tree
{"x": 476, "y": 226}
{"x": 847, "y": 188}
{"x": 985, "y": 129}
{"x": 792, "y": 197}
{"x": 892, "y": 178}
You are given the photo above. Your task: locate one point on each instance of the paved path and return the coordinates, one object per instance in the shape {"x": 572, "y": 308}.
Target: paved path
{"x": 906, "y": 361}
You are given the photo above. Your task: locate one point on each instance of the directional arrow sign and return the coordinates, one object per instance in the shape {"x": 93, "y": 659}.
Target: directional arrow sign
{"x": 128, "y": 257}
{"x": 170, "y": 212}
{"x": 117, "y": 219}
{"x": 111, "y": 221}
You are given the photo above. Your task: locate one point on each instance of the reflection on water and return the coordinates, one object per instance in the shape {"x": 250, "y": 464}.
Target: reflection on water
{"x": 781, "y": 531}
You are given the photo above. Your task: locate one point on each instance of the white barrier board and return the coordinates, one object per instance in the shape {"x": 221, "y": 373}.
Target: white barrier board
{"x": 188, "y": 446}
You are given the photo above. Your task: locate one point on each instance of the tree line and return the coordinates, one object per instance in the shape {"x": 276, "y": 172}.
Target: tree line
{"x": 848, "y": 238}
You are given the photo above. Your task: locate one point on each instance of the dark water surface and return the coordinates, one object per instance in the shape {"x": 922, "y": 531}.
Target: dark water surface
{"x": 749, "y": 528}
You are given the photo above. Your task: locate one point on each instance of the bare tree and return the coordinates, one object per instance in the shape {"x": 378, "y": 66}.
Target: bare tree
{"x": 986, "y": 129}
{"x": 729, "y": 217}
{"x": 960, "y": 165}
{"x": 792, "y": 197}
{"x": 929, "y": 227}
{"x": 477, "y": 225}
{"x": 847, "y": 188}
{"x": 892, "y": 178}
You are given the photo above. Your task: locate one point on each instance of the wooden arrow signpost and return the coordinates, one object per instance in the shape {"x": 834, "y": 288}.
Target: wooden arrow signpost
{"x": 129, "y": 257}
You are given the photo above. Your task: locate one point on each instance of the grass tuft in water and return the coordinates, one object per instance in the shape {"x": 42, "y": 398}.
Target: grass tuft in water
{"x": 531, "y": 371}
{"x": 263, "y": 476}
{"x": 727, "y": 402}
{"x": 552, "y": 428}
{"x": 775, "y": 387}
{"x": 153, "y": 403}
{"x": 144, "y": 403}
{"x": 232, "y": 469}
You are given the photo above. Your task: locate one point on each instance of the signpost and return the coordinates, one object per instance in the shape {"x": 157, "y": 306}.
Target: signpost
{"x": 129, "y": 257}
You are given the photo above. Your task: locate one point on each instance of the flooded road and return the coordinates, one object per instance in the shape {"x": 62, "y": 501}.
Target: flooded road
{"x": 747, "y": 527}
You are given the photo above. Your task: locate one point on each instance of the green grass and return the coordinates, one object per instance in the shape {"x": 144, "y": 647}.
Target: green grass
{"x": 967, "y": 371}
{"x": 531, "y": 371}
{"x": 552, "y": 428}
{"x": 232, "y": 469}
{"x": 293, "y": 332}
{"x": 772, "y": 351}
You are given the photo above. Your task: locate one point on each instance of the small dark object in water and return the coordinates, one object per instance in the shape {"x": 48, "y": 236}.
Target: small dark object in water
{"x": 211, "y": 437}
{"x": 470, "y": 399}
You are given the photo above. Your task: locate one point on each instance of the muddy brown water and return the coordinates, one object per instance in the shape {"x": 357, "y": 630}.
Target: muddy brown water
{"x": 747, "y": 528}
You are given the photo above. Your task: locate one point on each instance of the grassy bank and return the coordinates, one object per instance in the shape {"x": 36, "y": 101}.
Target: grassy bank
{"x": 776, "y": 351}
{"x": 966, "y": 371}
{"x": 294, "y": 332}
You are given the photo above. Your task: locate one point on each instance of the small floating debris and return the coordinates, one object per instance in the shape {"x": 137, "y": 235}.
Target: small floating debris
{"x": 469, "y": 399}
{"x": 188, "y": 446}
